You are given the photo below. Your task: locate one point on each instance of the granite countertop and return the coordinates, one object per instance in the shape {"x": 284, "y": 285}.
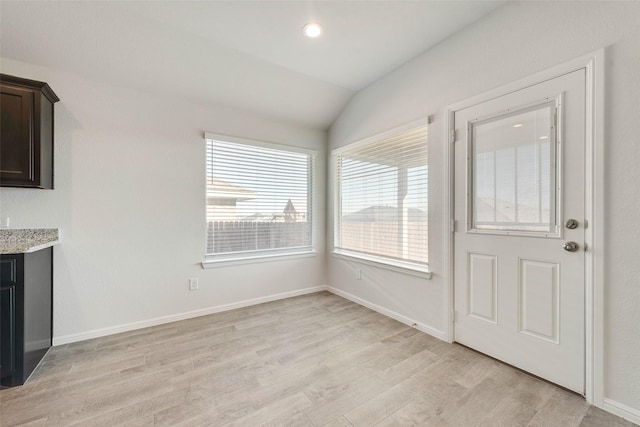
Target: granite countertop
{"x": 15, "y": 241}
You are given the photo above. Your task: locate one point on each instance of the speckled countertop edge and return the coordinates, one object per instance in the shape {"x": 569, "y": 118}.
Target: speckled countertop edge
{"x": 15, "y": 241}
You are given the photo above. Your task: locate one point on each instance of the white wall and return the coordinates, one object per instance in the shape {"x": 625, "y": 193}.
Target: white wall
{"x": 129, "y": 200}
{"x": 517, "y": 40}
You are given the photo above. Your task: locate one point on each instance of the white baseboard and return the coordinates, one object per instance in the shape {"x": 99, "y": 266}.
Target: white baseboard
{"x": 389, "y": 313}
{"x": 66, "y": 339}
{"x": 624, "y": 411}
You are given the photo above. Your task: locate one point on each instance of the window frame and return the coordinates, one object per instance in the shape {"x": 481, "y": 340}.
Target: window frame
{"x": 243, "y": 257}
{"x": 380, "y": 261}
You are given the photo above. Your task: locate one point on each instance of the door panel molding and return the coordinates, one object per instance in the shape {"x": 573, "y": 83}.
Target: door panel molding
{"x": 531, "y": 321}
{"x": 593, "y": 64}
{"x": 482, "y": 303}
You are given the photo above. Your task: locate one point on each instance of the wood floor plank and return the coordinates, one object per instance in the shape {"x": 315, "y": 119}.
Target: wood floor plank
{"x": 142, "y": 410}
{"x": 562, "y": 409}
{"x": 282, "y": 383}
{"x": 388, "y": 422}
{"x": 276, "y": 412}
{"x": 313, "y": 360}
{"x": 353, "y": 396}
{"x": 480, "y": 399}
{"x": 339, "y": 422}
{"x": 428, "y": 400}
{"x": 37, "y": 423}
{"x": 509, "y": 412}
{"x": 297, "y": 420}
{"x": 334, "y": 384}
{"x": 379, "y": 407}
{"x": 474, "y": 372}
{"x": 408, "y": 367}
{"x": 532, "y": 391}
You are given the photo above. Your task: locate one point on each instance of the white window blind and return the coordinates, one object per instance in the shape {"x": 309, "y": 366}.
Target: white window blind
{"x": 258, "y": 199}
{"x": 382, "y": 198}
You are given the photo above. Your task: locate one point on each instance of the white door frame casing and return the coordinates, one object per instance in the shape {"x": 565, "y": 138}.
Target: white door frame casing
{"x": 594, "y": 208}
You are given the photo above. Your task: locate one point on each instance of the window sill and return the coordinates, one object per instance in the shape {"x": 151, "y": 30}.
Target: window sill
{"x": 240, "y": 260}
{"x": 387, "y": 264}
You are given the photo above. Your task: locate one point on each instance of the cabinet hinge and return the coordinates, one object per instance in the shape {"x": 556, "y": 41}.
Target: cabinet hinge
{"x": 453, "y": 136}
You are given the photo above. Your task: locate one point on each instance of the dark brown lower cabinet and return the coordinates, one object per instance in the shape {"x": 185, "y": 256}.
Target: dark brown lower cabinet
{"x": 26, "y": 295}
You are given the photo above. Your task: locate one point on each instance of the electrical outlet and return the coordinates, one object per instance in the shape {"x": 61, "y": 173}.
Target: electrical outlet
{"x": 193, "y": 284}
{"x": 358, "y": 274}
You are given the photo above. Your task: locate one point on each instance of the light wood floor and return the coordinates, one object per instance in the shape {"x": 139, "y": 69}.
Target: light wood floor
{"x": 313, "y": 360}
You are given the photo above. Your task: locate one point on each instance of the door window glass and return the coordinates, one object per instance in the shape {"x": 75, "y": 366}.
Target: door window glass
{"x": 513, "y": 170}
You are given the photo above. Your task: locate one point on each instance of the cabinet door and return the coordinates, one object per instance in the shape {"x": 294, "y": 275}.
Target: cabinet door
{"x": 17, "y": 139}
{"x": 7, "y": 331}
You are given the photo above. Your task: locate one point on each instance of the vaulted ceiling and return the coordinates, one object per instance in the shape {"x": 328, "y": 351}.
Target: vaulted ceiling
{"x": 248, "y": 55}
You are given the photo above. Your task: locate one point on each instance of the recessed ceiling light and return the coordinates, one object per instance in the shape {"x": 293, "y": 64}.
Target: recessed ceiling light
{"x": 518, "y": 125}
{"x": 312, "y": 30}
{"x": 544, "y": 137}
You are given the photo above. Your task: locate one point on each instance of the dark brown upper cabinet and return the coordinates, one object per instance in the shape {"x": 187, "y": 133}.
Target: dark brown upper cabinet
{"x": 26, "y": 133}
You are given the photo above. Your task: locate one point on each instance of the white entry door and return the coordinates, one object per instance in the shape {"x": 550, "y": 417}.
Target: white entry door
{"x": 519, "y": 229}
